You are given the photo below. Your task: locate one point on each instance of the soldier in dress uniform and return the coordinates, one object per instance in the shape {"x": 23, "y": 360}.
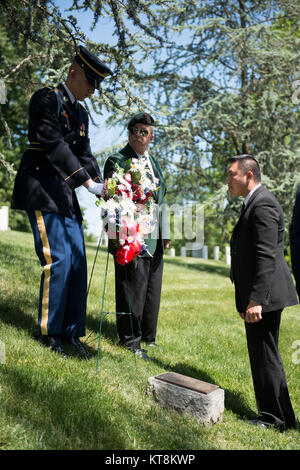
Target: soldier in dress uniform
{"x": 58, "y": 160}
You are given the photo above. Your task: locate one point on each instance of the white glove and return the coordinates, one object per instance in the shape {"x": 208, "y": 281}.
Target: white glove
{"x": 95, "y": 188}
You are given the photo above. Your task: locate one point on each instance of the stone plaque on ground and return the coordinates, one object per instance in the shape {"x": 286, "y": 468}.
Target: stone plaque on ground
{"x": 186, "y": 394}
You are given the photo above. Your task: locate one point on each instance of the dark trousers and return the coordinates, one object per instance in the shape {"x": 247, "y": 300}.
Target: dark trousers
{"x": 271, "y": 391}
{"x": 138, "y": 290}
{"x": 59, "y": 244}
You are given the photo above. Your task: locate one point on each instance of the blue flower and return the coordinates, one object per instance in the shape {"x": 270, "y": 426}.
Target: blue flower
{"x": 143, "y": 250}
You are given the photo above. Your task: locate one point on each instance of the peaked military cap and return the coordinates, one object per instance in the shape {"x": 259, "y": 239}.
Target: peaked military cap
{"x": 143, "y": 118}
{"x": 94, "y": 69}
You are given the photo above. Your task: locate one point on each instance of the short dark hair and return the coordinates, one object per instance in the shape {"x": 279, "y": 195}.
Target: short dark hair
{"x": 247, "y": 163}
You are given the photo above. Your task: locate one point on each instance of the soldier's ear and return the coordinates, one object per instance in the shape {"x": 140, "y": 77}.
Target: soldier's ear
{"x": 72, "y": 73}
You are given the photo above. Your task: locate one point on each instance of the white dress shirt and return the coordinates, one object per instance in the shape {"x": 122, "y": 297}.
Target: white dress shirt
{"x": 71, "y": 96}
{"x": 246, "y": 200}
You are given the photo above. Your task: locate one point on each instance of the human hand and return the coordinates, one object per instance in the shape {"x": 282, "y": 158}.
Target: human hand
{"x": 166, "y": 244}
{"x": 253, "y": 312}
{"x": 93, "y": 187}
{"x": 104, "y": 193}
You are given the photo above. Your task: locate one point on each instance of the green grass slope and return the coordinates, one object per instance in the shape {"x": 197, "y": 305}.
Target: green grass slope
{"x": 47, "y": 402}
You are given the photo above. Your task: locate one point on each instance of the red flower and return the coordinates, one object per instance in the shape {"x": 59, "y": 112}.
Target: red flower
{"x": 127, "y": 253}
{"x": 137, "y": 192}
{"x": 147, "y": 197}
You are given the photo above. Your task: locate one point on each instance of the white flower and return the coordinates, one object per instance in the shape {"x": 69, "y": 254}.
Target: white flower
{"x": 135, "y": 165}
{"x": 111, "y": 206}
{"x": 146, "y": 182}
{"x": 127, "y": 206}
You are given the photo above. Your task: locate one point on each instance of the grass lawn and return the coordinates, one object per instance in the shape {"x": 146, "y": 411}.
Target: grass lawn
{"x": 47, "y": 402}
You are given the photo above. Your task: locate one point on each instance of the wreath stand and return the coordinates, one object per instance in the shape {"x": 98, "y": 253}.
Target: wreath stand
{"x": 102, "y": 313}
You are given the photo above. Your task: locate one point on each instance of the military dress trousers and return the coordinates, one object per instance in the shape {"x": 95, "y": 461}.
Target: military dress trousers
{"x": 59, "y": 244}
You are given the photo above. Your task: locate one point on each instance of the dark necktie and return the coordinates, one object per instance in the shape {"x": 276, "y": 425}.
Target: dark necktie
{"x": 75, "y": 110}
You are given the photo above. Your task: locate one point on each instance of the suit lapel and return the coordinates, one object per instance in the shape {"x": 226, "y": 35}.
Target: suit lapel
{"x": 128, "y": 152}
{"x": 156, "y": 171}
{"x": 250, "y": 202}
{"x": 158, "y": 174}
{"x": 254, "y": 196}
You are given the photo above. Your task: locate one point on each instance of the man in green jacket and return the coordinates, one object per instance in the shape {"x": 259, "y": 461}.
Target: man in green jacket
{"x": 138, "y": 285}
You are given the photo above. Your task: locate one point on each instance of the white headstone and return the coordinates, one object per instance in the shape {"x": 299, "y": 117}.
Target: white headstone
{"x": 227, "y": 255}
{"x": 172, "y": 251}
{"x": 104, "y": 239}
{"x": 183, "y": 251}
{"x": 216, "y": 253}
{"x": 4, "y": 218}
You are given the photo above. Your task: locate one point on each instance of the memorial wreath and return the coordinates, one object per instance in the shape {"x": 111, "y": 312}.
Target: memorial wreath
{"x": 129, "y": 213}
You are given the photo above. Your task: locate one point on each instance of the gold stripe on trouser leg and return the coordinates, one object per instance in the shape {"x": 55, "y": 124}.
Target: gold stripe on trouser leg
{"x": 47, "y": 271}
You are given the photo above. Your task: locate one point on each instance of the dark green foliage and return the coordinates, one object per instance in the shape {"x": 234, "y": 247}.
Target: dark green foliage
{"x": 219, "y": 78}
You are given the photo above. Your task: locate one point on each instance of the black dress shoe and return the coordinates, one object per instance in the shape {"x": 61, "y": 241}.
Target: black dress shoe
{"x": 141, "y": 353}
{"x": 152, "y": 344}
{"x": 54, "y": 344}
{"x": 258, "y": 423}
{"x": 80, "y": 348}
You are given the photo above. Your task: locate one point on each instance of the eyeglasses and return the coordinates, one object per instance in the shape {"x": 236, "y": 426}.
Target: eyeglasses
{"x": 135, "y": 130}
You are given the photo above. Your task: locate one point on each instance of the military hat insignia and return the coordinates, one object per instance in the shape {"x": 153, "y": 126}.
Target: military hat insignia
{"x": 94, "y": 69}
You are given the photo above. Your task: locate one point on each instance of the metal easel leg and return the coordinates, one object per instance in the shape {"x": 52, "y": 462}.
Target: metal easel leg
{"x": 101, "y": 316}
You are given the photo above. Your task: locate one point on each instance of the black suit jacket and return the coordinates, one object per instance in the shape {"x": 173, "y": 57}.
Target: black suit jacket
{"x": 295, "y": 240}
{"x": 258, "y": 267}
{"x": 59, "y": 156}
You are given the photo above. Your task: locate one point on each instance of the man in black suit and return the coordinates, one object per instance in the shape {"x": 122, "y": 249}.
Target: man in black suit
{"x": 58, "y": 160}
{"x": 263, "y": 287}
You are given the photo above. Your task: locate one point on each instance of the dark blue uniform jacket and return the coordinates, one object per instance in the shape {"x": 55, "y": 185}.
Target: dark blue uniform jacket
{"x": 58, "y": 158}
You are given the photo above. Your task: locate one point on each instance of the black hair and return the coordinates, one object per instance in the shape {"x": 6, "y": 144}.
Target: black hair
{"x": 247, "y": 163}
